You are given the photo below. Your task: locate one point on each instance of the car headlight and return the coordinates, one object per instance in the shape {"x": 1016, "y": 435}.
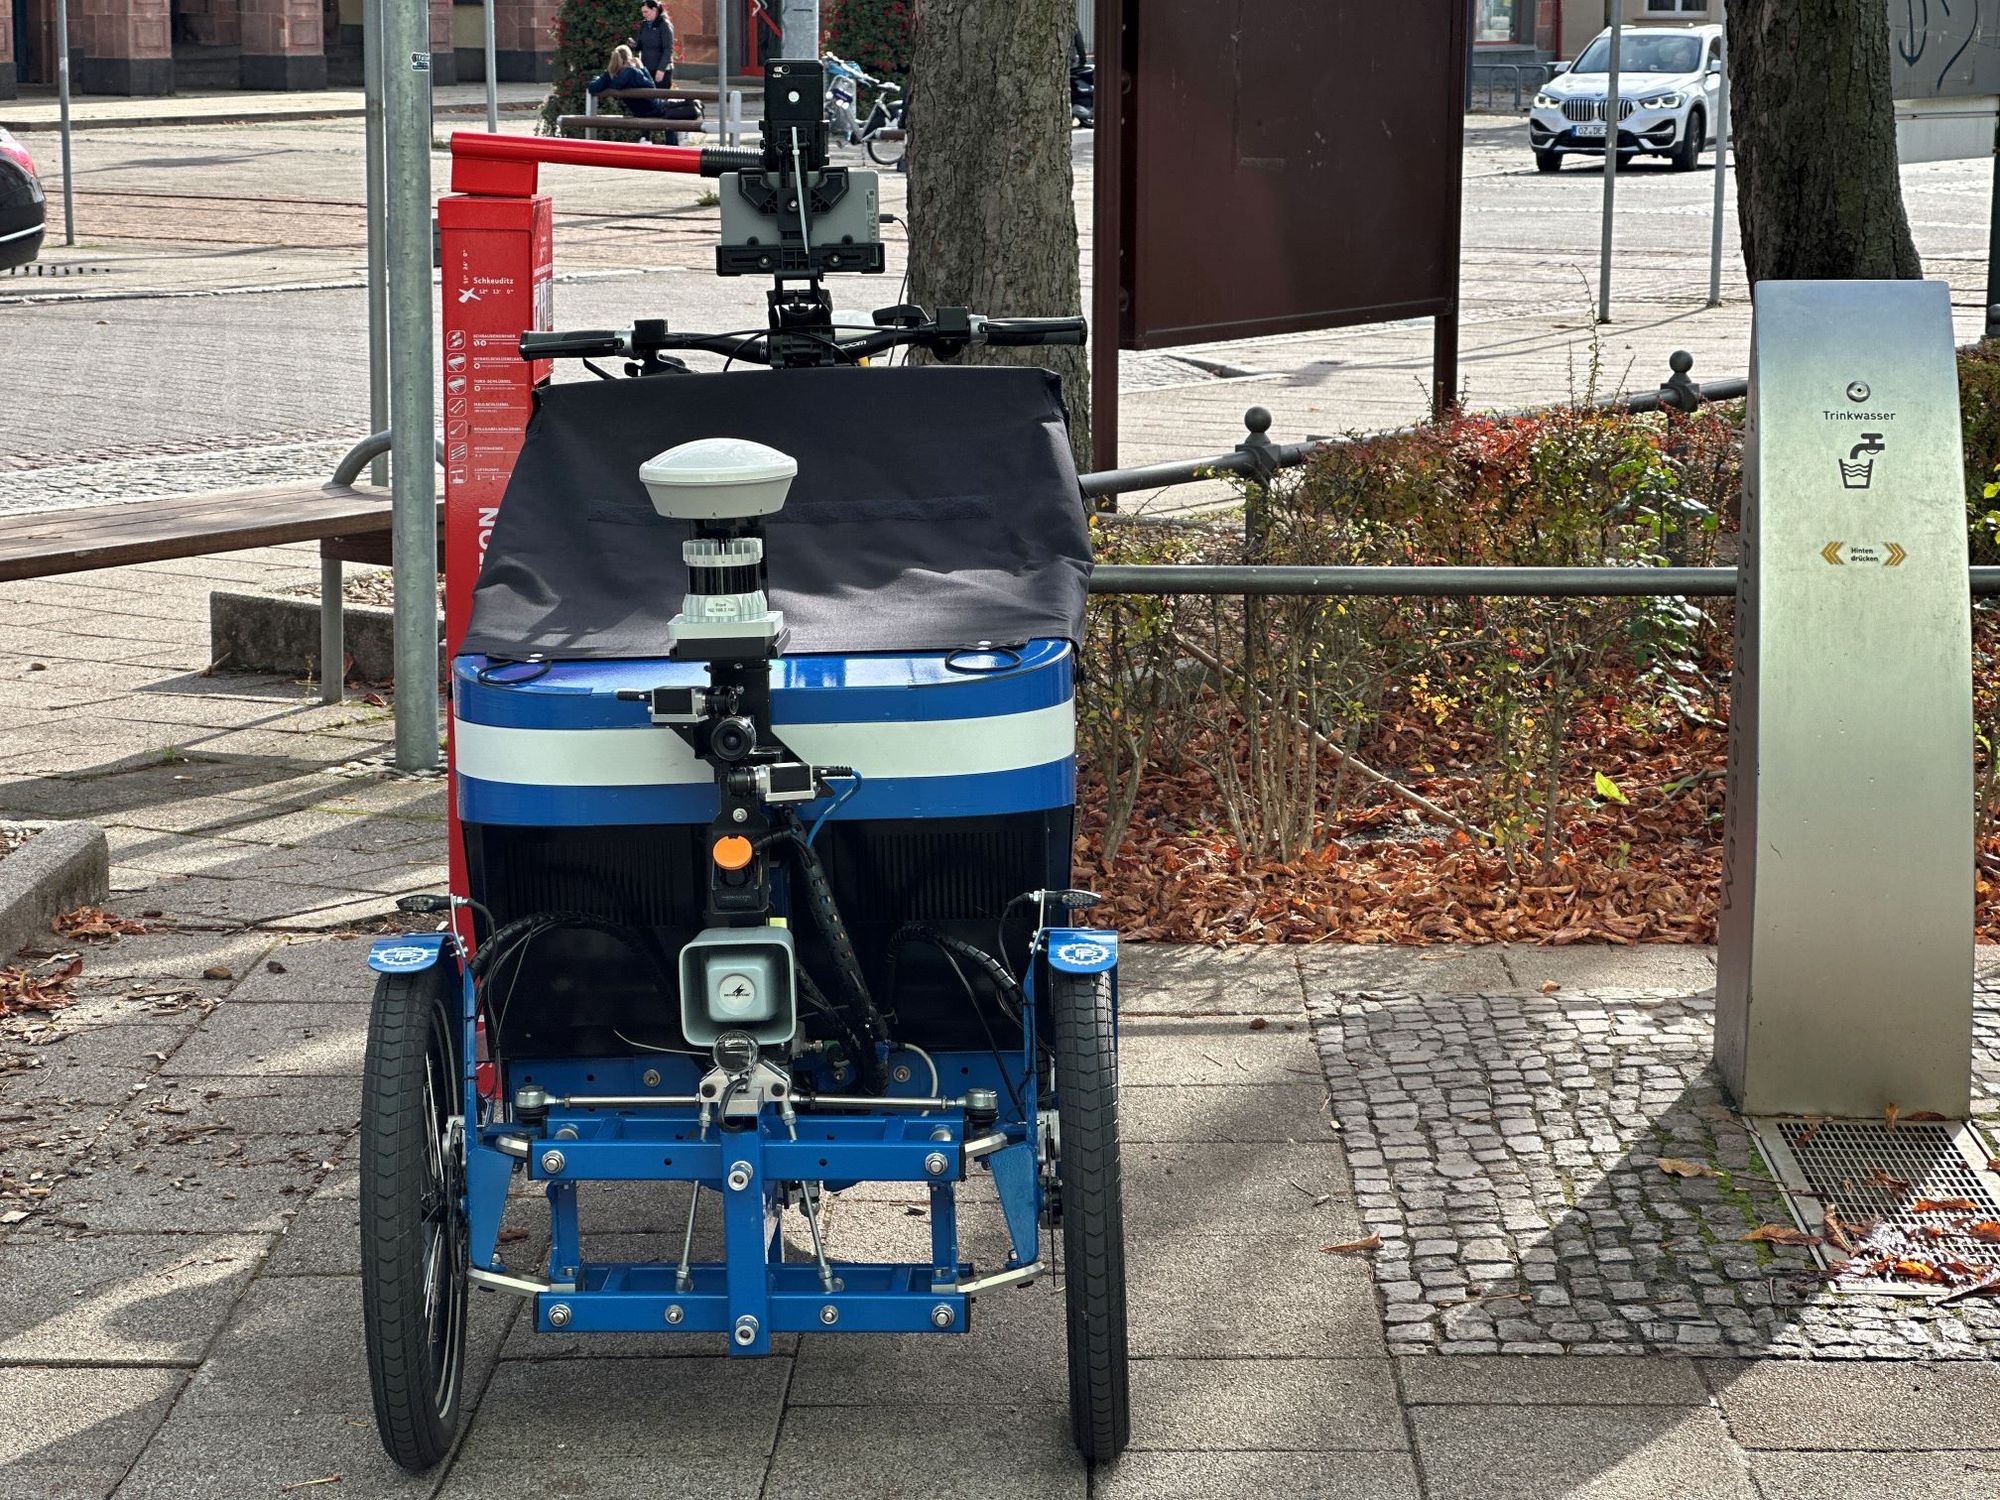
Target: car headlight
{"x": 1661, "y": 101}
{"x": 1547, "y": 101}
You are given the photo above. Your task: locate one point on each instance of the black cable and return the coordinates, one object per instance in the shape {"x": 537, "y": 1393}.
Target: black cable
{"x": 992, "y": 1042}
{"x": 873, "y": 1030}
{"x": 811, "y": 994}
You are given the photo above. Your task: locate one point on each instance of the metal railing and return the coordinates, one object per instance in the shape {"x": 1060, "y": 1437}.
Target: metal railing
{"x": 1257, "y": 458}
{"x": 1485, "y": 76}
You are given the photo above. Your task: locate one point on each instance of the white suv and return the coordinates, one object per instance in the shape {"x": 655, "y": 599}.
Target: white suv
{"x": 1668, "y": 79}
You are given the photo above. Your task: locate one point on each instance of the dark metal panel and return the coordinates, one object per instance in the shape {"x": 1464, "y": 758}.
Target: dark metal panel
{"x": 1285, "y": 165}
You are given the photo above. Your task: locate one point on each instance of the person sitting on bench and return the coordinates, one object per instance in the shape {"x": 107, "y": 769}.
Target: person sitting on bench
{"x": 624, "y": 72}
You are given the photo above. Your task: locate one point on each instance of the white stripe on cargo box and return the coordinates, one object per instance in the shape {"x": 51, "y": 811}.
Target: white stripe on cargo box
{"x": 655, "y": 756}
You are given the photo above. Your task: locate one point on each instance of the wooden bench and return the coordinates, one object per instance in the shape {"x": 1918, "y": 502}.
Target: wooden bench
{"x": 590, "y": 121}
{"x": 352, "y": 523}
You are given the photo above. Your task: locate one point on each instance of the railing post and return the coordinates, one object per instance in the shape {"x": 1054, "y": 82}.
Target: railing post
{"x": 1261, "y": 453}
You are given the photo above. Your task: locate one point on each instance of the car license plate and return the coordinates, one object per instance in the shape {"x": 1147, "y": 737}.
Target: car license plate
{"x": 1590, "y": 128}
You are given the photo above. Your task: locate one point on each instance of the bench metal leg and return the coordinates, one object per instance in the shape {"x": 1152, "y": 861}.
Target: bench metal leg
{"x": 332, "y": 632}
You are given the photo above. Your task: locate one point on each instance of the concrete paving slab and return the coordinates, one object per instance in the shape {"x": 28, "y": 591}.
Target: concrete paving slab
{"x": 163, "y": 955}
{"x": 1295, "y": 1405}
{"x": 258, "y": 1455}
{"x": 71, "y": 1419}
{"x": 237, "y": 903}
{"x": 1187, "y": 1190}
{"x": 1015, "y": 1346}
{"x": 696, "y": 1410}
{"x": 275, "y": 1040}
{"x": 59, "y": 1481}
{"x": 1214, "y": 1050}
{"x": 1350, "y": 967}
{"x": 1580, "y": 1453}
{"x": 92, "y": 1064}
{"x": 1903, "y": 1406}
{"x": 1273, "y": 1112}
{"x": 260, "y": 1362}
{"x": 1262, "y": 1295}
{"x": 964, "y": 1453}
{"x": 1529, "y": 1379}
{"x": 128, "y": 1299}
{"x": 242, "y": 1107}
{"x": 1871, "y": 1476}
{"x": 1178, "y": 980}
{"x": 322, "y": 1239}
{"x": 614, "y": 1476}
{"x": 316, "y": 971}
{"x": 209, "y": 1186}
{"x": 1676, "y": 970}
{"x": 126, "y": 1002}
{"x": 1294, "y": 1476}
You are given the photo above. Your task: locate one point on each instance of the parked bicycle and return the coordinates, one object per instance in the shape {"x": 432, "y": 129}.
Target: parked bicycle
{"x": 844, "y": 82}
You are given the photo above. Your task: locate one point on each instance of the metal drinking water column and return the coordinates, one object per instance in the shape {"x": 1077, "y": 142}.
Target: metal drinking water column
{"x": 1845, "y": 970}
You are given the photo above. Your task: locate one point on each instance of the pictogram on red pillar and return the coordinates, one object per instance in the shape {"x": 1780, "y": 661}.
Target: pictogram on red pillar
{"x": 498, "y": 278}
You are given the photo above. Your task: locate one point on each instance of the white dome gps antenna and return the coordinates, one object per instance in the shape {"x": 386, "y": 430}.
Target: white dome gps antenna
{"x": 724, "y": 486}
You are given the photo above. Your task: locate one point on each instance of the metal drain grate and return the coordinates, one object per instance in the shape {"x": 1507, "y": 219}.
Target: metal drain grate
{"x": 1858, "y": 1166}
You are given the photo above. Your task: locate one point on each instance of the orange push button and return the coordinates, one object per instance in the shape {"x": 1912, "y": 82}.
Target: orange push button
{"x": 731, "y": 851}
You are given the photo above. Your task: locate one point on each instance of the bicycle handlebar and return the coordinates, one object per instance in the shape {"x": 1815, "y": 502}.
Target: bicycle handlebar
{"x": 953, "y": 332}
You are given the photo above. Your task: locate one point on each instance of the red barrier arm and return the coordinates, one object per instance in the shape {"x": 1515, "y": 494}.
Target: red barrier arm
{"x": 506, "y": 166}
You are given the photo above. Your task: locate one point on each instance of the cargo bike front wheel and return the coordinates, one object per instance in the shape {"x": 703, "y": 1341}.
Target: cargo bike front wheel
{"x": 1092, "y": 1212}
{"x": 413, "y": 1237}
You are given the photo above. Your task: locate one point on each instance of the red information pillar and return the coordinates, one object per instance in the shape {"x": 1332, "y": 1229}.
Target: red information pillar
{"x": 498, "y": 275}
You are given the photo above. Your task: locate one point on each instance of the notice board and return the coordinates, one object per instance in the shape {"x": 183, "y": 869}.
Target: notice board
{"x": 1272, "y": 166}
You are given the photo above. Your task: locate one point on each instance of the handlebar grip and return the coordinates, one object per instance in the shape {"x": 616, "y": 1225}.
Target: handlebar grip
{"x": 580, "y": 344}
{"x": 715, "y": 160}
{"x": 1025, "y": 332}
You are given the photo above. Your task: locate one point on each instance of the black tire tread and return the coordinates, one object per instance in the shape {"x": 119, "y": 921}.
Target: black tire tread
{"x": 415, "y": 1434}
{"x": 1093, "y": 1218}
{"x": 1687, "y": 155}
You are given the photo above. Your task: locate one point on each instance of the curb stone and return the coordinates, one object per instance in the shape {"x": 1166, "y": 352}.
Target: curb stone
{"x": 62, "y": 866}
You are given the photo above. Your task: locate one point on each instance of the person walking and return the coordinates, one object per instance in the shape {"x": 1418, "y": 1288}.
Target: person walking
{"x": 655, "y": 43}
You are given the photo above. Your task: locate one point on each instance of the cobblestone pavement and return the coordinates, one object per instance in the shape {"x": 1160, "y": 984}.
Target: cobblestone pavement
{"x": 1506, "y": 1148}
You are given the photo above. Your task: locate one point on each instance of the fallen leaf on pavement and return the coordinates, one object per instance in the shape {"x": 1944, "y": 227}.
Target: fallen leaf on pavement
{"x": 1877, "y": 1178}
{"x": 1836, "y": 1235}
{"x": 1353, "y": 1247}
{"x": 1890, "y": 1115}
{"x": 1778, "y": 1234}
{"x": 217, "y": 971}
{"x": 1929, "y": 1116}
{"x": 1549, "y": 986}
{"x": 1673, "y": 1166}
{"x": 1944, "y": 1206}
{"x": 93, "y": 922}
{"x": 1258, "y": 1023}
{"x": 1813, "y": 1123}
{"x": 1985, "y": 1229}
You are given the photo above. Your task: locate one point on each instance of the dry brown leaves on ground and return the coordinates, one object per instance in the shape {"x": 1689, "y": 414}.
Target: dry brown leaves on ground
{"x": 25, "y": 992}
{"x": 94, "y": 923}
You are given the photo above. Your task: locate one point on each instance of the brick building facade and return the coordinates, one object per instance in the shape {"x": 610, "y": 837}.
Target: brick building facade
{"x": 192, "y": 46}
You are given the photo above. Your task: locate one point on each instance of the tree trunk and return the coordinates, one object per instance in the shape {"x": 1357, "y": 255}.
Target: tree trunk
{"x": 1816, "y": 181}
{"x": 992, "y": 222}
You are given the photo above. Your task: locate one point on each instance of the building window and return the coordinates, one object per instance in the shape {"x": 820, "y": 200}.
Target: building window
{"x": 1697, "y": 7}
{"x": 1497, "y": 21}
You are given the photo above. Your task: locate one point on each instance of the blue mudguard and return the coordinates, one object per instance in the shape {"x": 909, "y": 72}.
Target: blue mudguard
{"x": 1082, "y": 950}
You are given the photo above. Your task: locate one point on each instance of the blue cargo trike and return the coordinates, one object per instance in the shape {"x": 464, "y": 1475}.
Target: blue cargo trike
{"x": 763, "y": 745}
